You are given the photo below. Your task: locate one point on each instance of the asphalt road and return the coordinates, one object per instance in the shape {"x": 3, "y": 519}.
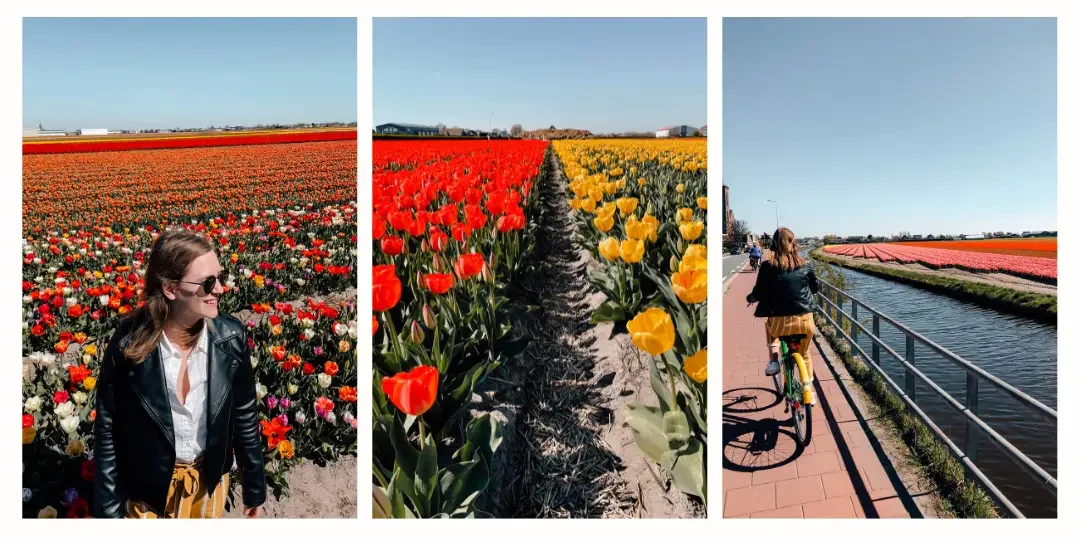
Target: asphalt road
{"x": 732, "y": 264}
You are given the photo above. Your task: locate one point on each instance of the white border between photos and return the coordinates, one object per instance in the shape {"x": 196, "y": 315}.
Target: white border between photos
{"x": 10, "y": 454}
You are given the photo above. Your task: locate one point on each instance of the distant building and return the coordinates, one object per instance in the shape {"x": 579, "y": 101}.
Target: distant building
{"x": 93, "y": 132}
{"x": 678, "y": 130}
{"x": 406, "y": 129}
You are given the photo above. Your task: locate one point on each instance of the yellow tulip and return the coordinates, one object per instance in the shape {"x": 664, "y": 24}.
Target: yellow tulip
{"x": 604, "y": 222}
{"x": 684, "y": 214}
{"x": 611, "y": 188}
{"x": 90, "y": 349}
{"x": 28, "y": 435}
{"x": 608, "y": 209}
{"x": 691, "y": 230}
{"x": 636, "y": 229}
{"x": 631, "y": 250}
{"x": 653, "y": 225}
{"x": 588, "y": 205}
{"x": 575, "y": 204}
{"x": 703, "y": 203}
{"x": 609, "y": 249}
{"x": 690, "y": 286}
{"x": 627, "y": 205}
{"x": 75, "y": 448}
{"x": 696, "y": 251}
{"x": 47, "y": 513}
{"x": 89, "y": 383}
{"x": 652, "y": 331}
{"x": 641, "y": 181}
{"x": 696, "y": 366}
{"x": 680, "y": 188}
{"x": 633, "y": 170}
{"x": 596, "y": 193}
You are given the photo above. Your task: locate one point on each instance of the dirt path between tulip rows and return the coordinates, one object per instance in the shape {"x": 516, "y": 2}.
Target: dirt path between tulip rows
{"x": 568, "y": 452}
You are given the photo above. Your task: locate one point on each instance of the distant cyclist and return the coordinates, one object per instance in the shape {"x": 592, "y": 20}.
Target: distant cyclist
{"x": 784, "y": 291}
{"x": 755, "y": 256}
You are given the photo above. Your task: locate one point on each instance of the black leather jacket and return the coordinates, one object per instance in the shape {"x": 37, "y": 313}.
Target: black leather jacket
{"x": 135, "y": 447}
{"x": 783, "y": 293}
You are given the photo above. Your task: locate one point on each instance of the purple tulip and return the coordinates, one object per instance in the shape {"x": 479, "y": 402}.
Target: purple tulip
{"x": 70, "y": 496}
{"x": 284, "y": 419}
{"x": 318, "y": 351}
{"x": 251, "y": 324}
{"x": 285, "y": 402}
{"x": 271, "y": 401}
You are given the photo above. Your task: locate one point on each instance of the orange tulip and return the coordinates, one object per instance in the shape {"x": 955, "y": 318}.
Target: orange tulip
{"x": 413, "y": 392}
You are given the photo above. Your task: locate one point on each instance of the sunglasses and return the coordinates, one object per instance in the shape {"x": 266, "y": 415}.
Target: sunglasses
{"x": 207, "y": 285}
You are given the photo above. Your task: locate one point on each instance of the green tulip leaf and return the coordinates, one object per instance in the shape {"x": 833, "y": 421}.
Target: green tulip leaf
{"x": 647, "y": 425}
{"x": 427, "y": 472}
{"x": 688, "y": 469}
{"x": 608, "y": 311}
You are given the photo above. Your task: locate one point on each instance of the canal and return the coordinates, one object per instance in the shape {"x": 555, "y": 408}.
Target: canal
{"x": 1017, "y": 350}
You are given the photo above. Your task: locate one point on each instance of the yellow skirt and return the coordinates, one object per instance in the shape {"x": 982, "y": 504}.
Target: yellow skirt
{"x": 187, "y": 499}
{"x": 789, "y": 325}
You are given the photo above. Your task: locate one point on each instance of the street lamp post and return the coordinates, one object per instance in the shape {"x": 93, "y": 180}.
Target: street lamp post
{"x": 776, "y": 212}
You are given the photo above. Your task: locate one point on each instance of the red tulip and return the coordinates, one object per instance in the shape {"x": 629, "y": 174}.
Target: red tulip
{"x": 439, "y": 283}
{"x": 392, "y": 245}
{"x": 386, "y": 288}
{"x": 413, "y": 392}
{"x": 469, "y": 265}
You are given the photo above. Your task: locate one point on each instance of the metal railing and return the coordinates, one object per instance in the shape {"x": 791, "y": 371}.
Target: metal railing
{"x": 975, "y": 427}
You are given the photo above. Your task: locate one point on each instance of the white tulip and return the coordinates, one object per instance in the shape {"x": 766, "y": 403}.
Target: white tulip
{"x": 70, "y": 424}
{"x": 38, "y": 280}
{"x": 32, "y": 404}
{"x": 48, "y": 360}
{"x": 65, "y": 409}
{"x": 292, "y": 389}
{"x": 260, "y": 390}
{"x": 27, "y": 299}
{"x": 104, "y": 300}
{"x": 299, "y": 282}
{"x": 324, "y": 380}
{"x": 79, "y": 397}
{"x": 309, "y": 334}
{"x": 71, "y": 301}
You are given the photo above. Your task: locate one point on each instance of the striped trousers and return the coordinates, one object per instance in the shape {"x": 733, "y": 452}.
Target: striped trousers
{"x": 187, "y": 499}
{"x": 789, "y": 325}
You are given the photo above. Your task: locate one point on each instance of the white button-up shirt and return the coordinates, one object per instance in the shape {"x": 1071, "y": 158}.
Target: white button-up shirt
{"x": 189, "y": 426}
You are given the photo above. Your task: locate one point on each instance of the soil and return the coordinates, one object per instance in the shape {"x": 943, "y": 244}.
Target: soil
{"x": 568, "y": 452}
{"x": 995, "y": 279}
{"x": 316, "y": 492}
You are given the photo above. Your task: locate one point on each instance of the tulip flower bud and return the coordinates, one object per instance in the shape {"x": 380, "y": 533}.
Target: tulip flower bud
{"x": 424, "y": 246}
{"x": 491, "y": 261}
{"x": 429, "y": 317}
{"x": 488, "y": 274}
{"x": 436, "y": 264}
{"x": 674, "y": 264}
{"x": 416, "y": 333}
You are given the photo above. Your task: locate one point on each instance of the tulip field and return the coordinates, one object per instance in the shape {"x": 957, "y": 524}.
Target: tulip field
{"x": 453, "y": 223}
{"x": 282, "y": 216}
{"x": 641, "y": 211}
{"x": 1040, "y": 268}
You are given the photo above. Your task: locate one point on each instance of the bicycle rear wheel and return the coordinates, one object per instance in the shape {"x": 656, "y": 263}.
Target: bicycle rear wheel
{"x": 801, "y": 415}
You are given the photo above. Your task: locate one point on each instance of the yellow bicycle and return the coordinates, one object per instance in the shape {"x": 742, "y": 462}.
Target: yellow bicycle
{"x": 797, "y": 390}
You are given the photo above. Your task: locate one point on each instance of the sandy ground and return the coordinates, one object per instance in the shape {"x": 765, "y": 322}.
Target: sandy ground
{"x": 317, "y": 492}
{"x": 568, "y": 452}
{"x": 996, "y": 279}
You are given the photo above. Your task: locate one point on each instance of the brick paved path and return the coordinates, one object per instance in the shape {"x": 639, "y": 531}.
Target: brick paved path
{"x": 838, "y": 475}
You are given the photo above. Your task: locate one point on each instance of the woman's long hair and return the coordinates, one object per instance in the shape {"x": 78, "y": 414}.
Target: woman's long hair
{"x": 785, "y": 251}
{"x": 170, "y": 257}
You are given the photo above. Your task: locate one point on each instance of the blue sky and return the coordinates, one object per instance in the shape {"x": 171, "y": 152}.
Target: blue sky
{"x": 146, "y": 73}
{"x": 860, "y": 126}
{"x": 604, "y": 75}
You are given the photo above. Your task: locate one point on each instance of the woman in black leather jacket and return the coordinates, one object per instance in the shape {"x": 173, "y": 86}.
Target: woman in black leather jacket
{"x": 176, "y": 396}
{"x": 784, "y": 291}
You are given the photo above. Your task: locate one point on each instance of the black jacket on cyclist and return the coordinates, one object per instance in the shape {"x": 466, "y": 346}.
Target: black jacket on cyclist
{"x": 783, "y": 293}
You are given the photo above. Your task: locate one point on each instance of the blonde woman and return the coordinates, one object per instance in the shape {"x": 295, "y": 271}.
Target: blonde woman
{"x": 784, "y": 291}
{"x": 176, "y": 396}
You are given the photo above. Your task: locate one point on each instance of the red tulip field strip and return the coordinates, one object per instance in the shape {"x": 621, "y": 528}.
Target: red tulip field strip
{"x": 47, "y": 146}
{"x": 936, "y": 258}
{"x": 450, "y": 230}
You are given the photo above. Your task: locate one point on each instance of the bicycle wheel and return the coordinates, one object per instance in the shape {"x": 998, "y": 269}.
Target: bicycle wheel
{"x": 800, "y": 413}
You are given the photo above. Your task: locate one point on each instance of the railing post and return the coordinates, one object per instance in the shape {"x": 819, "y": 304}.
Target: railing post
{"x": 971, "y": 433}
{"x": 854, "y": 322}
{"x": 909, "y": 355}
{"x": 877, "y": 333}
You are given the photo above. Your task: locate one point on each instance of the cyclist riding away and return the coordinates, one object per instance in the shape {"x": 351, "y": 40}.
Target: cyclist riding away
{"x": 755, "y": 256}
{"x": 784, "y": 291}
